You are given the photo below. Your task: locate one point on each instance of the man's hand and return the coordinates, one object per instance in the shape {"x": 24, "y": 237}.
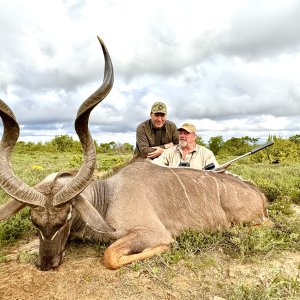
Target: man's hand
{"x": 158, "y": 151}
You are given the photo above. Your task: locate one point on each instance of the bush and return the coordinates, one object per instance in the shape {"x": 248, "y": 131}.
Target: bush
{"x": 16, "y": 227}
{"x": 237, "y": 146}
{"x": 281, "y": 151}
{"x": 215, "y": 144}
{"x": 108, "y": 162}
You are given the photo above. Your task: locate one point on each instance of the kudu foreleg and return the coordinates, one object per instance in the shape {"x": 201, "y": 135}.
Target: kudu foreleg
{"x": 132, "y": 247}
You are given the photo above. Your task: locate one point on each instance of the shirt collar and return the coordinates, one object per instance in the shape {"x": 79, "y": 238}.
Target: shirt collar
{"x": 194, "y": 150}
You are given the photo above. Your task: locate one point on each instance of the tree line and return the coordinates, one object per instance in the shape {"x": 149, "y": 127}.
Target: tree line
{"x": 284, "y": 149}
{"x": 65, "y": 143}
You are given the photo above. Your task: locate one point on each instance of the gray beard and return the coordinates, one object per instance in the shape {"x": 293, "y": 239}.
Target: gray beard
{"x": 183, "y": 144}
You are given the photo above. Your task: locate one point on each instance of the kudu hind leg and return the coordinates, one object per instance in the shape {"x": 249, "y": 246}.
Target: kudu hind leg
{"x": 135, "y": 245}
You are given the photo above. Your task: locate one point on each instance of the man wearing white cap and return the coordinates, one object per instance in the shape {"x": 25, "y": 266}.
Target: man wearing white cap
{"x": 187, "y": 153}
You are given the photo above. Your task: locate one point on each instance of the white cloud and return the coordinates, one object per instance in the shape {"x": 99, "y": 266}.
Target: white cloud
{"x": 231, "y": 67}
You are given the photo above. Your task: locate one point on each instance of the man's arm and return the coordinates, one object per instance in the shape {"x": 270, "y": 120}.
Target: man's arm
{"x": 143, "y": 144}
{"x": 173, "y": 134}
{"x": 142, "y": 141}
{"x": 210, "y": 158}
{"x": 162, "y": 160}
{"x": 158, "y": 150}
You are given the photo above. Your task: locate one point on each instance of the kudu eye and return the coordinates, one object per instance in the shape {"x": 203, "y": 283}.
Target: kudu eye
{"x": 38, "y": 208}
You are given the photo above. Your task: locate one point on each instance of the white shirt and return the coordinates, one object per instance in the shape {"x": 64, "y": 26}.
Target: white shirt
{"x": 198, "y": 158}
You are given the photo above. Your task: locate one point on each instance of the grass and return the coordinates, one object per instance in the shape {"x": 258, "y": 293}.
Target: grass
{"x": 15, "y": 228}
{"x": 276, "y": 286}
{"x": 276, "y": 181}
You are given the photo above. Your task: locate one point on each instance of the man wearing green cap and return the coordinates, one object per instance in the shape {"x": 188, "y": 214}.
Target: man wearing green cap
{"x": 155, "y": 135}
{"x": 187, "y": 153}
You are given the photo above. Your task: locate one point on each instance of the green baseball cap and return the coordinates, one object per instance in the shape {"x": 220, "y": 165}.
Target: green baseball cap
{"x": 188, "y": 127}
{"x": 159, "y": 107}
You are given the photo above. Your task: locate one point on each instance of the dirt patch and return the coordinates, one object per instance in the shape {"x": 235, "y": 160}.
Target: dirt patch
{"x": 83, "y": 276}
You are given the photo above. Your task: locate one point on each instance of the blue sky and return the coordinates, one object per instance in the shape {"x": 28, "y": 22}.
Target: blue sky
{"x": 230, "y": 67}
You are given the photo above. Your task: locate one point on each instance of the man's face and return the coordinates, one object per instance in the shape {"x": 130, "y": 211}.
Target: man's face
{"x": 186, "y": 138}
{"x": 158, "y": 119}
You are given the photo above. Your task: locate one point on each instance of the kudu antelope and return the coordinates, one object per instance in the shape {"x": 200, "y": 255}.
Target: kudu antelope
{"x": 141, "y": 208}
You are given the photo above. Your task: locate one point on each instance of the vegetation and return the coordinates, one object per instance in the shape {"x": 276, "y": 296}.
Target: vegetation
{"x": 276, "y": 170}
{"x": 65, "y": 143}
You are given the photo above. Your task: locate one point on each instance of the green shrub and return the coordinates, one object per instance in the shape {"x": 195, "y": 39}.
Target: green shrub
{"x": 215, "y": 144}
{"x": 192, "y": 241}
{"x": 282, "y": 150}
{"x": 107, "y": 162}
{"x": 276, "y": 181}
{"x": 16, "y": 227}
{"x": 75, "y": 161}
{"x": 282, "y": 206}
{"x": 237, "y": 146}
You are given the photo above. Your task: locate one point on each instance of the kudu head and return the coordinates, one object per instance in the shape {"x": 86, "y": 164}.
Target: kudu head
{"x": 52, "y": 201}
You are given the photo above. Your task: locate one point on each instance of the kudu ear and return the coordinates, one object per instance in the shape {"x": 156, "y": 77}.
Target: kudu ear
{"x": 10, "y": 208}
{"x": 90, "y": 215}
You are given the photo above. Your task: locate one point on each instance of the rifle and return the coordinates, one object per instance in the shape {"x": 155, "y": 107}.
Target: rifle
{"x": 211, "y": 166}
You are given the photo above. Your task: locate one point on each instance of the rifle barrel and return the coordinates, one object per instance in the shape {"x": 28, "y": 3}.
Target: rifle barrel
{"x": 227, "y": 164}
{"x": 262, "y": 147}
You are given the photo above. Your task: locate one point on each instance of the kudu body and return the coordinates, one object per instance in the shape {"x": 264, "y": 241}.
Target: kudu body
{"x": 141, "y": 208}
